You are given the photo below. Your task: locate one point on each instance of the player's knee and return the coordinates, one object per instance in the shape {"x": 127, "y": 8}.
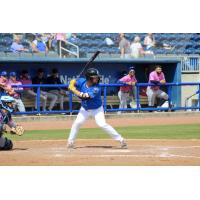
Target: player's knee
{"x": 101, "y": 125}
{"x": 166, "y": 97}
{"x": 8, "y": 145}
{"x": 77, "y": 124}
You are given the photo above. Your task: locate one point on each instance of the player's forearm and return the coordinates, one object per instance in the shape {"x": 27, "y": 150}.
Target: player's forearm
{"x": 72, "y": 87}
{"x": 163, "y": 81}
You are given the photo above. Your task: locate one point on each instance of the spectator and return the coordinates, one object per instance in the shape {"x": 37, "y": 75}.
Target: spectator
{"x": 149, "y": 43}
{"x": 59, "y": 92}
{"x": 50, "y": 41}
{"x": 136, "y": 48}
{"x": 5, "y": 87}
{"x": 18, "y": 91}
{"x": 28, "y": 92}
{"x": 61, "y": 38}
{"x": 71, "y": 37}
{"x": 126, "y": 91}
{"x": 16, "y": 47}
{"x": 124, "y": 46}
{"x": 40, "y": 79}
{"x": 38, "y": 45}
{"x": 156, "y": 77}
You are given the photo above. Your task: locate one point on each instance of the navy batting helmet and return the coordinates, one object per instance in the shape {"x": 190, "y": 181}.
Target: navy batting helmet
{"x": 92, "y": 73}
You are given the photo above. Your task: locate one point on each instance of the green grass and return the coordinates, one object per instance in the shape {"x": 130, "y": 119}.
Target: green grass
{"x": 191, "y": 131}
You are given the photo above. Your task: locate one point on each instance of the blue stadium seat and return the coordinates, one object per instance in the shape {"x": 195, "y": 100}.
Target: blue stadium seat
{"x": 10, "y": 35}
{"x": 197, "y": 51}
{"x": 189, "y": 51}
{"x": 90, "y": 42}
{"x": 158, "y": 51}
{"x": 2, "y": 42}
{"x": 8, "y": 41}
{"x": 179, "y": 51}
{"x": 26, "y": 44}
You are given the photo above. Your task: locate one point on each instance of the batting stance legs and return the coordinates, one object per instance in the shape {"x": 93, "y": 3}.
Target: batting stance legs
{"x": 98, "y": 114}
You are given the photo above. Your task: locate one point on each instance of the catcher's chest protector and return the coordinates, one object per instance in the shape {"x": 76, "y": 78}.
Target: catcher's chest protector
{"x": 4, "y": 118}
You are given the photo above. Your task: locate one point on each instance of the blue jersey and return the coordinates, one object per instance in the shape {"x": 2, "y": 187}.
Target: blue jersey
{"x": 94, "y": 92}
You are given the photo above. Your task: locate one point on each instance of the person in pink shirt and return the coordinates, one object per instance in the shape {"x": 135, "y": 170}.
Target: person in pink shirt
{"x": 126, "y": 91}
{"x": 18, "y": 90}
{"x": 154, "y": 92}
{"x": 5, "y": 87}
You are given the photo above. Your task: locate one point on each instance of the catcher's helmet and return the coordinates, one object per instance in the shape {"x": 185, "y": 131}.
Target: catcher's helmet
{"x": 5, "y": 101}
{"x": 92, "y": 73}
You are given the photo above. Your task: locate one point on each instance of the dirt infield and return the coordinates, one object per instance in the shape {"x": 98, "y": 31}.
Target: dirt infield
{"x": 104, "y": 152}
{"x": 118, "y": 121}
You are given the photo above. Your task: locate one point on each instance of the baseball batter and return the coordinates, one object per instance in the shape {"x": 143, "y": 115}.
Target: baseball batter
{"x": 153, "y": 92}
{"x": 126, "y": 91}
{"x": 89, "y": 91}
{"x": 6, "y": 104}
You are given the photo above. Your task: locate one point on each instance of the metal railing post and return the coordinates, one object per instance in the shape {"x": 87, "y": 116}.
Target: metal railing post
{"x": 105, "y": 98}
{"x": 69, "y": 51}
{"x": 78, "y": 52}
{"x": 60, "y": 49}
{"x": 38, "y": 99}
{"x": 169, "y": 97}
{"x": 138, "y": 96}
{"x": 70, "y": 102}
{"x": 199, "y": 97}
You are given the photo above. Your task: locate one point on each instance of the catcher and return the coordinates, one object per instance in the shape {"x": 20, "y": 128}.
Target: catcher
{"x": 6, "y": 108}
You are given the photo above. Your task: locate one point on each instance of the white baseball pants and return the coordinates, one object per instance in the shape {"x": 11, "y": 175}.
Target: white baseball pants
{"x": 123, "y": 97}
{"x": 153, "y": 94}
{"x": 20, "y": 105}
{"x": 99, "y": 116}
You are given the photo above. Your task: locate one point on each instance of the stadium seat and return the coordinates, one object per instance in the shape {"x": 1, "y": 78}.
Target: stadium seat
{"x": 10, "y": 35}
{"x": 8, "y": 41}
{"x": 26, "y": 44}
{"x": 90, "y": 42}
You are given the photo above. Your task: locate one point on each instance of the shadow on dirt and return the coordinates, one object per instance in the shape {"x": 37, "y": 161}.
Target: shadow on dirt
{"x": 104, "y": 147}
{"x": 19, "y": 149}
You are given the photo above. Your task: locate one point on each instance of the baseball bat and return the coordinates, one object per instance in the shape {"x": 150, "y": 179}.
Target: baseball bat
{"x": 90, "y": 61}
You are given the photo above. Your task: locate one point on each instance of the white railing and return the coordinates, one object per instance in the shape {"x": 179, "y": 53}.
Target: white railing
{"x": 188, "y": 63}
{"x": 191, "y": 64}
{"x": 67, "y": 50}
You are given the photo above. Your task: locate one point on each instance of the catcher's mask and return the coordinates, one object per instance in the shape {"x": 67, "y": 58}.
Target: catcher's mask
{"x": 92, "y": 74}
{"x": 6, "y": 102}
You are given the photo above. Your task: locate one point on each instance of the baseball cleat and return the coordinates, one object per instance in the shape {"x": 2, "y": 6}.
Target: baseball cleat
{"x": 123, "y": 145}
{"x": 70, "y": 145}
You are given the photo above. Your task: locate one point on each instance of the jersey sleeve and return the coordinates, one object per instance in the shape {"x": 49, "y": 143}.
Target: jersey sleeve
{"x": 151, "y": 77}
{"x": 79, "y": 82}
{"x": 163, "y": 77}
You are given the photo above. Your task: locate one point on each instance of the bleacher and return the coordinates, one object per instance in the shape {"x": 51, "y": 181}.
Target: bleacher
{"x": 183, "y": 43}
